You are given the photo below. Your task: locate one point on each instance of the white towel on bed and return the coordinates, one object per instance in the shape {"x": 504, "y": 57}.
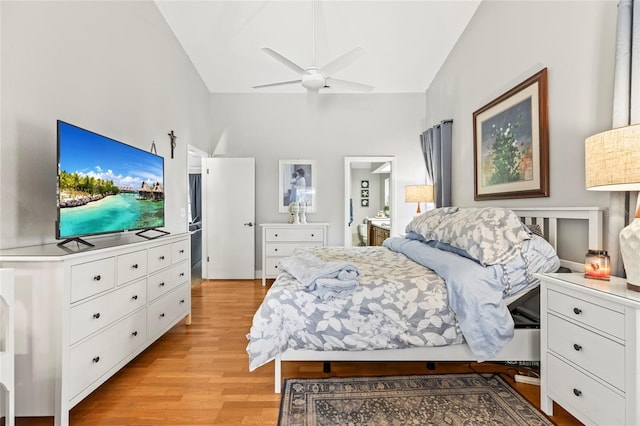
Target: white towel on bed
{"x": 327, "y": 279}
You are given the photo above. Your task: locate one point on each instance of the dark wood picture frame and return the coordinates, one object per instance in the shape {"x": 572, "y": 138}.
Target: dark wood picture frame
{"x": 511, "y": 143}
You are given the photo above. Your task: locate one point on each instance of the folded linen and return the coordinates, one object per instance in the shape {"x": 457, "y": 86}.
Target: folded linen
{"x": 327, "y": 279}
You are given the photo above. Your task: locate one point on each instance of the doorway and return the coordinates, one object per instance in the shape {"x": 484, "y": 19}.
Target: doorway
{"x": 194, "y": 209}
{"x": 369, "y": 194}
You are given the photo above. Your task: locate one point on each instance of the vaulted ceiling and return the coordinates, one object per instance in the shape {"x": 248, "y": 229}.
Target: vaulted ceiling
{"x": 405, "y": 42}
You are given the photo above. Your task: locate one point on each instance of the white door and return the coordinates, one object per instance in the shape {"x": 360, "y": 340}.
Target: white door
{"x": 229, "y": 218}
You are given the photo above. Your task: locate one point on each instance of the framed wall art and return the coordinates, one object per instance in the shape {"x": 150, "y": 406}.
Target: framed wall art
{"x": 297, "y": 183}
{"x": 511, "y": 143}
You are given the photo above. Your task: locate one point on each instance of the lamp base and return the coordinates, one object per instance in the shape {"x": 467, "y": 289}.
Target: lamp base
{"x": 630, "y": 251}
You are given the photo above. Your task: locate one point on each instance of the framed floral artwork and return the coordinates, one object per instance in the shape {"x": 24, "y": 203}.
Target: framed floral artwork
{"x": 511, "y": 143}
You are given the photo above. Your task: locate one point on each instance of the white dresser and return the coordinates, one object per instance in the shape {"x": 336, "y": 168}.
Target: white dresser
{"x": 281, "y": 239}
{"x": 589, "y": 348}
{"x": 7, "y": 342}
{"x": 84, "y": 315}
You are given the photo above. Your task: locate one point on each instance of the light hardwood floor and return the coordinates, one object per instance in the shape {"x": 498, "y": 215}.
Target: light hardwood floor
{"x": 198, "y": 374}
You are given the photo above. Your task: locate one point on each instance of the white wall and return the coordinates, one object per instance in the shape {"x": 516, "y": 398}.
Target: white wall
{"x": 507, "y": 42}
{"x": 271, "y": 127}
{"x": 111, "y": 67}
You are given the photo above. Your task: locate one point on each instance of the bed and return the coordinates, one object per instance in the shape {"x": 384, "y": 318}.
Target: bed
{"x": 400, "y": 309}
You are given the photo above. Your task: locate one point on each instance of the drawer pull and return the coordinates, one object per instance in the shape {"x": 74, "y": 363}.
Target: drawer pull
{"x": 577, "y": 347}
{"x": 97, "y": 278}
{"x": 275, "y": 235}
{"x": 276, "y": 266}
{"x": 161, "y": 284}
{"x": 577, "y": 311}
{"x": 181, "y": 301}
{"x": 275, "y": 250}
{"x": 313, "y": 235}
{"x": 134, "y": 334}
{"x": 134, "y": 297}
{"x": 161, "y": 257}
{"x": 577, "y": 392}
{"x": 134, "y": 266}
{"x": 181, "y": 251}
{"x": 96, "y": 315}
{"x": 162, "y": 315}
{"x": 96, "y": 359}
{"x": 182, "y": 274}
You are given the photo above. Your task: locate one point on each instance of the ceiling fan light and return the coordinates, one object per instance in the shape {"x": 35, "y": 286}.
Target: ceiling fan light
{"x": 313, "y": 81}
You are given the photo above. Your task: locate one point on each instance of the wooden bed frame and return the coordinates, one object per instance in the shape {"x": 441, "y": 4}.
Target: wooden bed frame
{"x": 525, "y": 345}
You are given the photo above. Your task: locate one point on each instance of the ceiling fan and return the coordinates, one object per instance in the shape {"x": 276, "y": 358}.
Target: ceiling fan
{"x": 313, "y": 78}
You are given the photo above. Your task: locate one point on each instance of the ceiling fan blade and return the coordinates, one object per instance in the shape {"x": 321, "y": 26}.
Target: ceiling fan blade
{"x": 280, "y": 83}
{"x": 278, "y": 57}
{"x": 350, "y": 85}
{"x": 342, "y": 61}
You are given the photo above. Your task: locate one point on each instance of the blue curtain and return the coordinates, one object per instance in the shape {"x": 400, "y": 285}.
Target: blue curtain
{"x": 195, "y": 197}
{"x": 436, "y": 150}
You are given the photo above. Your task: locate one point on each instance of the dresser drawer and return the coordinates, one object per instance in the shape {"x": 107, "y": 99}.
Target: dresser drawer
{"x": 286, "y": 249}
{"x": 159, "y": 258}
{"x": 96, "y": 356}
{"x": 597, "y": 314}
{"x": 180, "y": 250}
{"x": 167, "y": 280}
{"x": 132, "y": 266}
{"x": 89, "y": 317}
{"x": 92, "y": 278}
{"x": 272, "y": 266}
{"x": 167, "y": 309}
{"x": 577, "y": 391}
{"x": 294, "y": 234}
{"x": 591, "y": 351}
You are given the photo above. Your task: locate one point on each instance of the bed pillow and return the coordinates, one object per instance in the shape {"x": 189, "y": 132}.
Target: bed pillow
{"x": 516, "y": 275}
{"x": 489, "y": 235}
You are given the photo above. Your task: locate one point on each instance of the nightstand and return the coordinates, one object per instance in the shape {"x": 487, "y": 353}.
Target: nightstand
{"x": 589, "y": 348}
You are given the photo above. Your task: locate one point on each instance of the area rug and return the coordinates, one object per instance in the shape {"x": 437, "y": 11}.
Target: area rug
{"x": 448, "y": 399}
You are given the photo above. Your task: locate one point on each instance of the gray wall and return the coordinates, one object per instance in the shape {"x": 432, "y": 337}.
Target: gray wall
{"x": 270, "y": 127}
{"x": 112, "y": 67}
{"x": 507, "y": 42}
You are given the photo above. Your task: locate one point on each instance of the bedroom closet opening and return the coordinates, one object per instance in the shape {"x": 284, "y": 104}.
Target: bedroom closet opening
{"x": 369, "y": 200}
{"x": 194, "y": 209}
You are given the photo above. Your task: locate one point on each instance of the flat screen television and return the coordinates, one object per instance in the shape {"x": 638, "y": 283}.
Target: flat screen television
{"x": 105, "y": 186}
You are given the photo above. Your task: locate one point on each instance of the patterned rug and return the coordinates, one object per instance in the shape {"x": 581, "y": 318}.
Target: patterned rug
{"x": 448, "y": 399}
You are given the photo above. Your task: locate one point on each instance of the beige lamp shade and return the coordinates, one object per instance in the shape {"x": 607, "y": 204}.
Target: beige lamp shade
{"x": 418, "y": 194}
{"x": 612, "y": 160}
{"x": 612, "y": 163}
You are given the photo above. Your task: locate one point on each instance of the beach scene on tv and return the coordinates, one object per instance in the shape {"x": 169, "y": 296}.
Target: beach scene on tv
{"x": 107, "y": 186}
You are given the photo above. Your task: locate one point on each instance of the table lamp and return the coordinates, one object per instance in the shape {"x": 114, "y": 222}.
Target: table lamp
{"x": 418, "y": 194}
{"x": 612, "y": 163}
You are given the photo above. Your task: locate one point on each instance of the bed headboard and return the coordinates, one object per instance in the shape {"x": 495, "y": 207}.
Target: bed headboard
{"x": 549, "y": 218}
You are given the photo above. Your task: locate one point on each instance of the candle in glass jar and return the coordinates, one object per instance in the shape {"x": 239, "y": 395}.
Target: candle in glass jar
{"x": 596, "y": 265}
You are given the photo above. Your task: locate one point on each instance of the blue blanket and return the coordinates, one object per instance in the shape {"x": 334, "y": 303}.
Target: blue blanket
{"x": 474, "y": 293}
{"x": 327, "y": 279}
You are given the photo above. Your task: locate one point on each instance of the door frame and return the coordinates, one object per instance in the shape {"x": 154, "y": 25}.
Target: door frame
{"x": 347, "y": 190}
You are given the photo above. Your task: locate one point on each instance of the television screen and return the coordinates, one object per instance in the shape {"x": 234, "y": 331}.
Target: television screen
{"x": 106, "y": 186}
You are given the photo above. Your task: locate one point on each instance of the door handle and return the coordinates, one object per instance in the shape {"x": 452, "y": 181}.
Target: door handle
{"x": 249, "y": 224}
